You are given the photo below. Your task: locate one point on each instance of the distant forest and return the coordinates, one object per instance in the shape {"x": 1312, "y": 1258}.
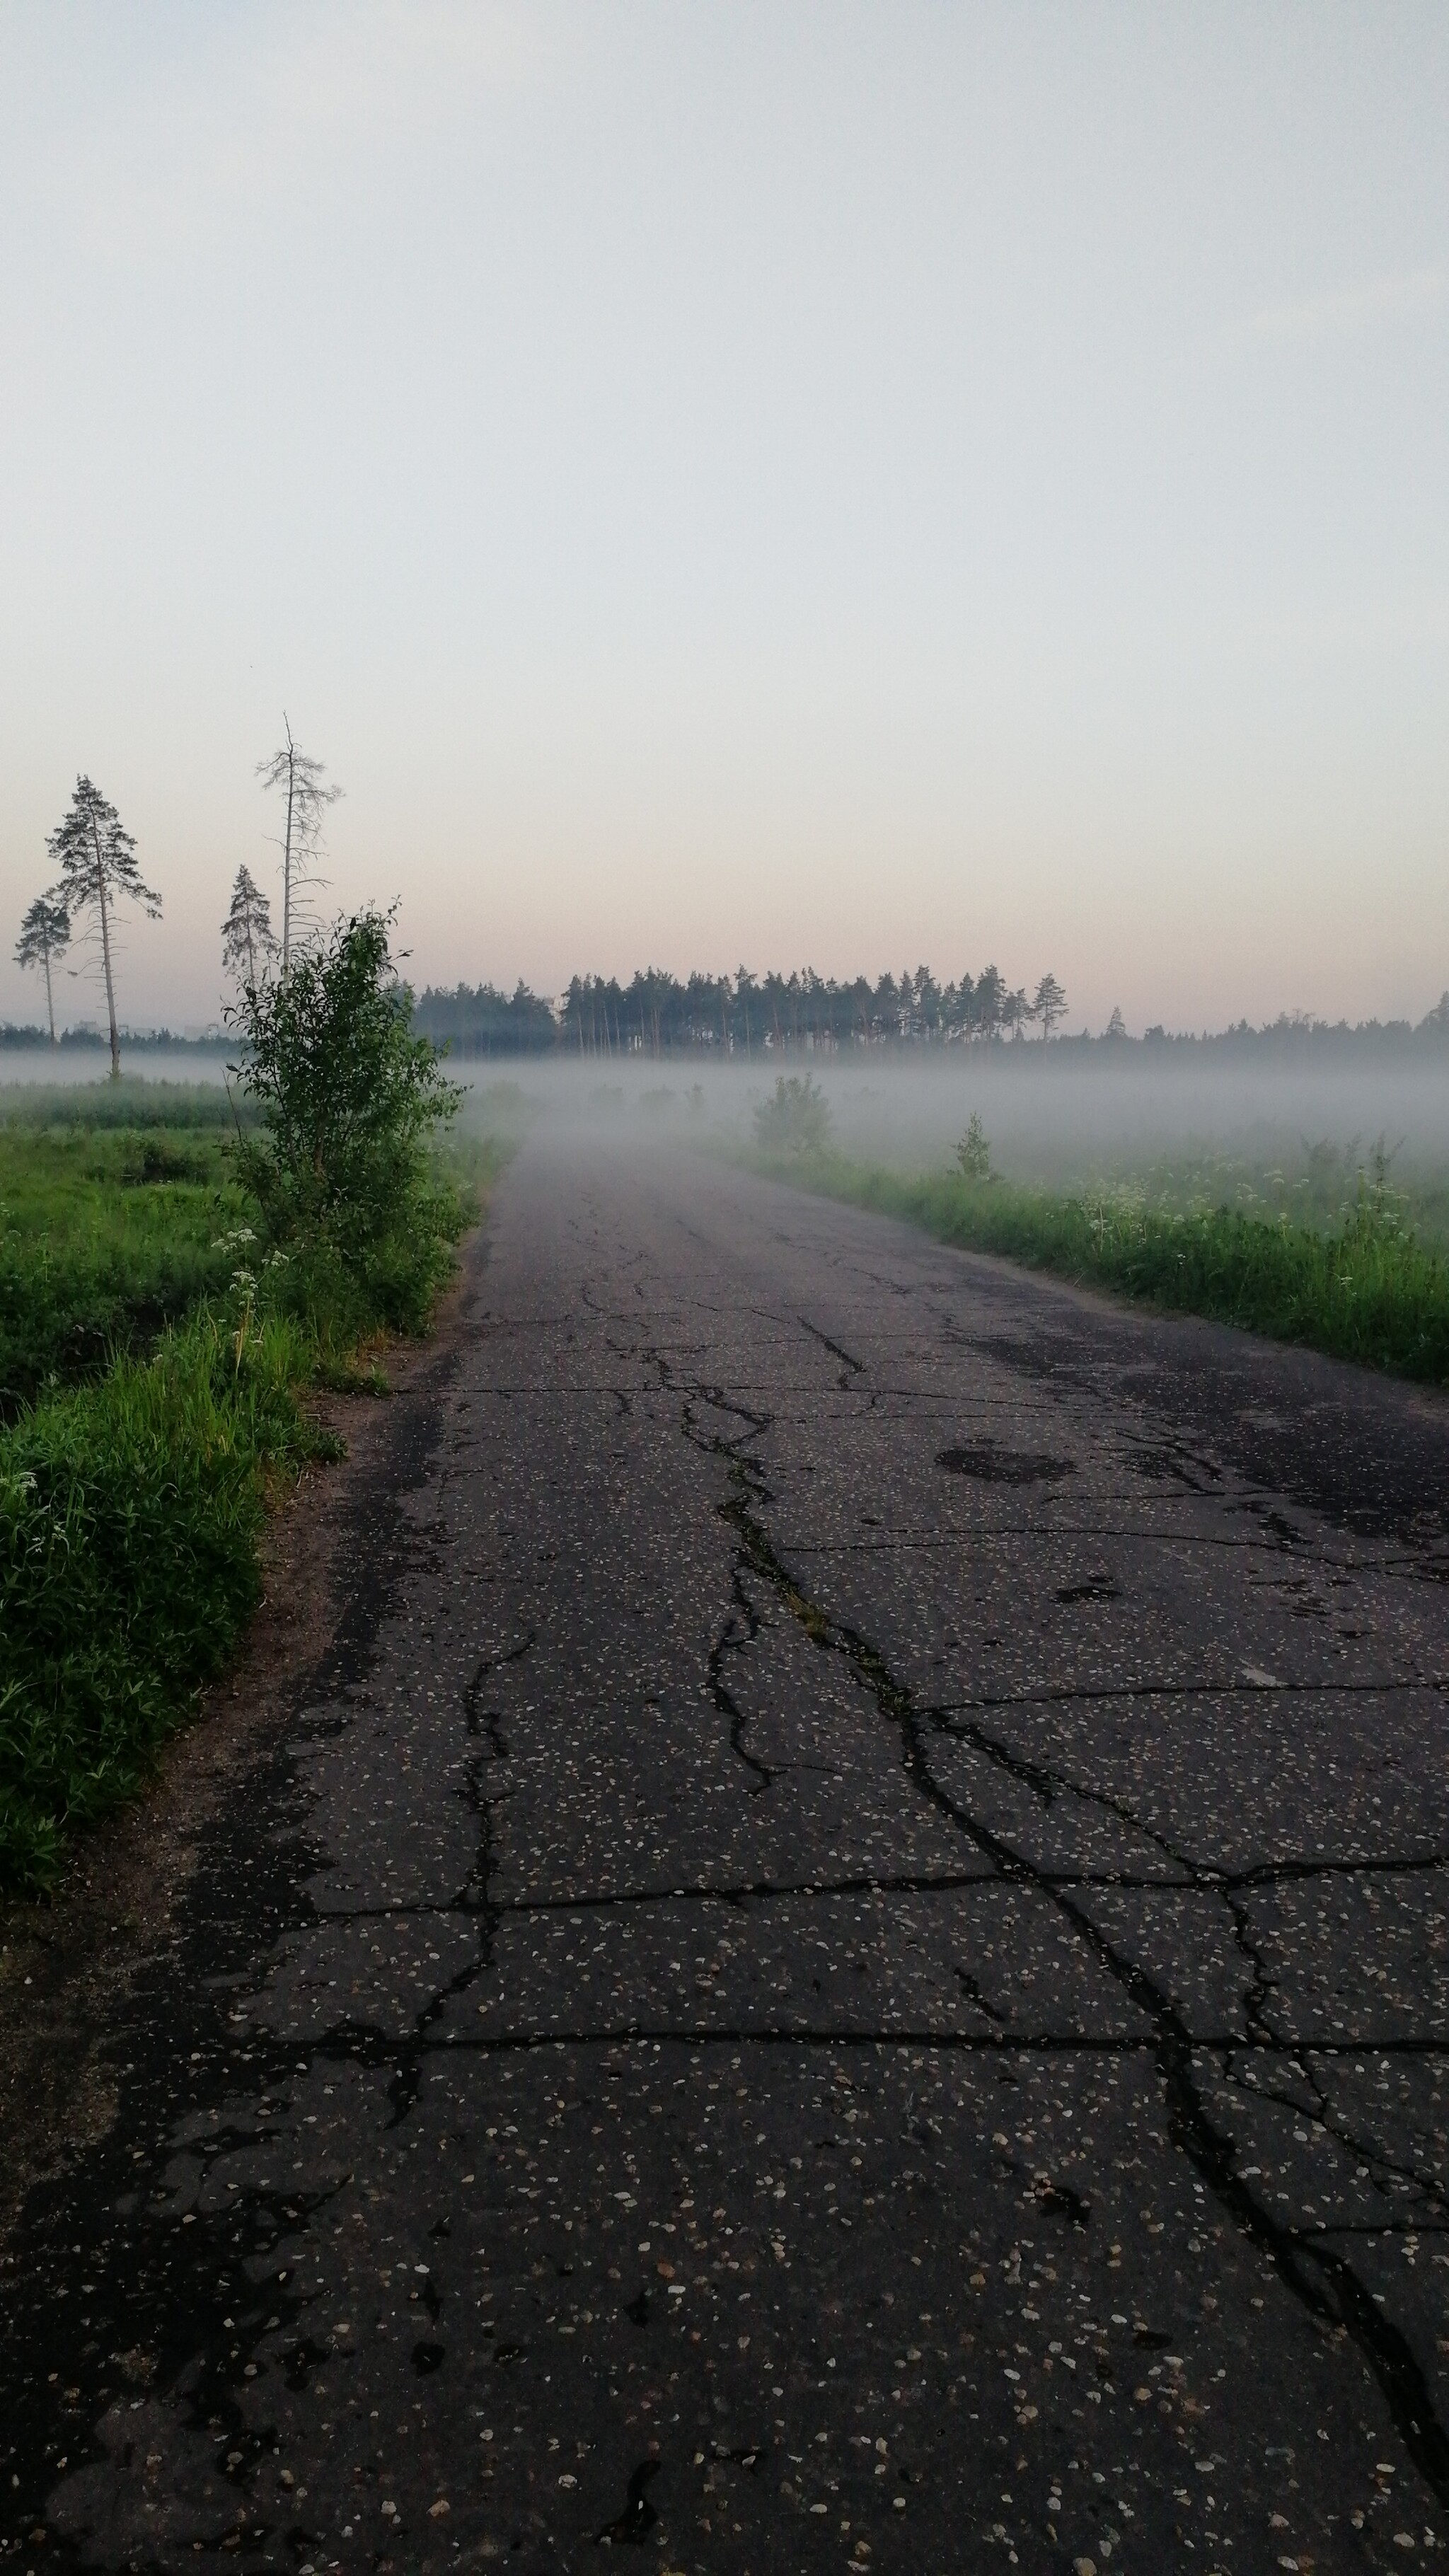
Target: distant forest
{"x": 757, "y": 1017}
{"x": 657, "y": 1015}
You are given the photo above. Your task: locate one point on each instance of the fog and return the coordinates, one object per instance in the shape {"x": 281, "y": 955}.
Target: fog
{"x": 27, "y": 1068}
{"x": 1052, "y": 1115}
{"x": 1056, "y": 1117}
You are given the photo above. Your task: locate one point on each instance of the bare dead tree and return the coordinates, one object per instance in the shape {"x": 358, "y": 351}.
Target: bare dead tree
{"x": 302, "y": 784}
{"x": 247, "y": 944}
{"x": 44, "y": 939}
{"x": 96, "y": 859}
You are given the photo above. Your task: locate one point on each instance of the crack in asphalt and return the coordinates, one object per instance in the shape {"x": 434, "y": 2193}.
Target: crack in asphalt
{"x": 851, "y": 1367}
{"x": 746, "y": 1891}
{"x": 1067, "y": 1694}
{"x": 1331, "y": 2291}
{"x": 1307, "y": 2258}
{"x": 741, "y": 1628}
{"x": 487, "y": 1720}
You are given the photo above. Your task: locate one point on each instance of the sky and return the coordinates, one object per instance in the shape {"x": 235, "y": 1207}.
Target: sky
{"x": 818, "y": 484}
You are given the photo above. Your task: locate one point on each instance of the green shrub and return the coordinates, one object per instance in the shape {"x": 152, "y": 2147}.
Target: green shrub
{"x": 350, "y": 1101}
{"x": 796, "y": 1121}
{"x": 973, "y": 1154}
{"x": 131, "y": 1505}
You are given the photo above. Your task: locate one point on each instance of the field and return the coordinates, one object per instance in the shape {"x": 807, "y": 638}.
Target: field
{"x": 155, "y": 1405}
{"x": 108, "y": 1231}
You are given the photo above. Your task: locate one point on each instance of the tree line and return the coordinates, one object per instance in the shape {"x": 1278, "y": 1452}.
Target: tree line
{"x": 657, "y": 1014}
{"x": 751, "y": 1016}
{"x": 97, "y": 880}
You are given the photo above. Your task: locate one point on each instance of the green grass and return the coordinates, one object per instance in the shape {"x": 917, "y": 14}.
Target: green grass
{"x": 1316, "y": 1186}
{"x": 131, "y": 1102}
{"x": 130, "y": 1513}
{"x": 1362, "y": 1287}
{"x": 155, "y": 1405}
{"x": 106, "y": 1235}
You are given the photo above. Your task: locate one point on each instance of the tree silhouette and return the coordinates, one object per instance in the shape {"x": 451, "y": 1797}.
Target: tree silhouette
{"x": 987, "y": 1001}
{"x": 96, "y": 859}
{"x": 299, "y": 780}
{"x": 246, "y": 934}
{"x": 44, "y": 938}
{"x": 1049, "y": 1005}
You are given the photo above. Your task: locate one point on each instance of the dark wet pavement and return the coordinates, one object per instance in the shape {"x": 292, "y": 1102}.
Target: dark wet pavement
{"x": 849, "y": 1967}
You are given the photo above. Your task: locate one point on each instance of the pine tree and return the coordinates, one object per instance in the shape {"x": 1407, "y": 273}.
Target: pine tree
{"x": 44, "y": 939}
{"x": 96, "y": 859}
{"x": 299, "y": 780}
{"x": 1050, "y": 1003}
{"x": 247, "y": 943}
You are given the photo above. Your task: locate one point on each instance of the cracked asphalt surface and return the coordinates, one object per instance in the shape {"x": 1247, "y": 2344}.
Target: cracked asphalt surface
{"x": 846, "y": 1966}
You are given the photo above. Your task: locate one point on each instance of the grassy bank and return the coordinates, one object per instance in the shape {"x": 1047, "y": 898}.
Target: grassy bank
{"x": 130, "y": 1515}
{"x": 134, "y": 1491}
{"x": 175, "y": 1281}
{"x": 1363, "y": 1289}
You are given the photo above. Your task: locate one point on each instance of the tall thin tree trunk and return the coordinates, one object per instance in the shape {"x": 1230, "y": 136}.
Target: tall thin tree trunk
{"x": 287, "y": 850}
{"x": 50, "y": 998}
{"x": 106, "y": 956}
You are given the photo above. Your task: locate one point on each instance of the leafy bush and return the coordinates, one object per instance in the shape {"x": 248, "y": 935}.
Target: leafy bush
{"x": 796, "y": 1122}
{"x": 131, "y": 1506}
{"x": 350, "y": 1101}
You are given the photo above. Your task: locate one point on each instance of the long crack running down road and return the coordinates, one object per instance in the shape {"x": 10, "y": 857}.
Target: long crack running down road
{"x": 845, "y": 1968}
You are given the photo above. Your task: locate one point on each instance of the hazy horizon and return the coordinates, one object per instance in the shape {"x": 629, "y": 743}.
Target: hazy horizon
{"x": 829, "y": 488}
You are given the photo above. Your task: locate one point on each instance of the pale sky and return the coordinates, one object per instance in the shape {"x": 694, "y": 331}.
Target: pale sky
{"x": 830, "y": 484}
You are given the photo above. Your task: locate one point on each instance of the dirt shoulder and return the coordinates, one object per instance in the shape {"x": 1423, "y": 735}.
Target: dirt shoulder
{"x": 67, "y": 1961}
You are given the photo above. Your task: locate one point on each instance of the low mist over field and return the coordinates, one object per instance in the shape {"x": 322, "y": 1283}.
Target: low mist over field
{"x": 1281, "y": 1137}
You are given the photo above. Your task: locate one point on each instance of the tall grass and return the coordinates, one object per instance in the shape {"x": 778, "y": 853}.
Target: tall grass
{"x": 130, "y": 1512}
{"x": 1364, "y": 1289}
{"x": 157, "y": 1353}
{"x": 105, "y": 1236}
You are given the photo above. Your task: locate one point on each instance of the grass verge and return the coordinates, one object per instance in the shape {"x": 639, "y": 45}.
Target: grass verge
{"x": 1366, "y": 1290}
{"x": 130, "y": 1515}
{"x": 133, "y": 1498}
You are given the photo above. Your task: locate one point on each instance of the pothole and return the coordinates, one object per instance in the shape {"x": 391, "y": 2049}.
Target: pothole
{"x": 993, "y": 1465}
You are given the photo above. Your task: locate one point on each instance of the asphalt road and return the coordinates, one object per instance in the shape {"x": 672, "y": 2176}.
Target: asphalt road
{"x": 846, "y": 1968}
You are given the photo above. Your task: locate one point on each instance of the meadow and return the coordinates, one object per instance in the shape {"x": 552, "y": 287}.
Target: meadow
{"x": 111, "y": 1225}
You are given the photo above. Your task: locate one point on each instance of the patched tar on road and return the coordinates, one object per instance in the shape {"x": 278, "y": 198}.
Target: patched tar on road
{"x": 845, "y": 1969}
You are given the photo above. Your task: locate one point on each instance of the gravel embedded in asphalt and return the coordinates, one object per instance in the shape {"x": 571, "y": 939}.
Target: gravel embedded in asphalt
{"x": 846, "y": 1966}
